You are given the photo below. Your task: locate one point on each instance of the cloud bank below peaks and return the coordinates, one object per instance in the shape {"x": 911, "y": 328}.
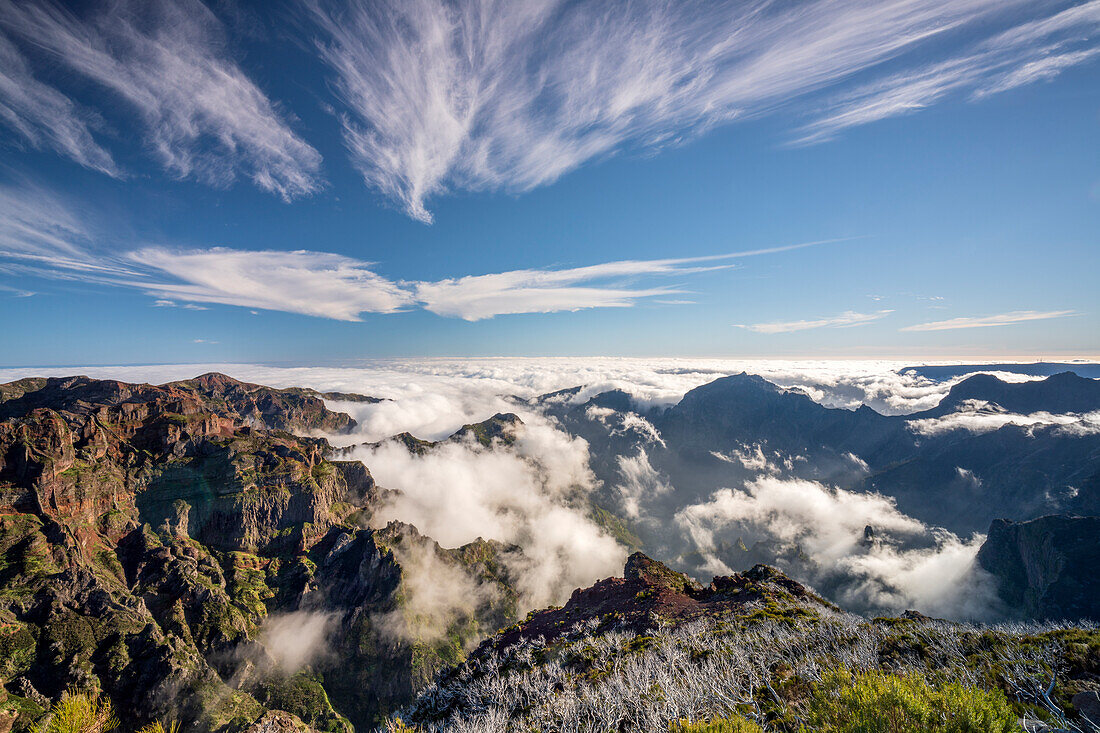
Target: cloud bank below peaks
{"x": 532, "y": 494}
{"x": 904, "y": 565}
{"x": 977, "y": 417}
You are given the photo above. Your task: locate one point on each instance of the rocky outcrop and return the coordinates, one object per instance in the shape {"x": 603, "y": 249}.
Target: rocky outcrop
{"x": 1046, "y": 568}
{"x": 501, "y": 429}
{"x": 651, "y": 594}
{"x": 206, "y": 458}
{"x": 150, "y": 535}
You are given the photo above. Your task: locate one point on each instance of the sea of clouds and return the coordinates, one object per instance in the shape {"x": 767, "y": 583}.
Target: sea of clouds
{"x": 533, "y": 494}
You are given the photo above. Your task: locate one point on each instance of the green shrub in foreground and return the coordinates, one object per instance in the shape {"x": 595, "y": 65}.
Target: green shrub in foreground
{"x": 78, "y": 712}
{"x": 876, "y": 702}
{"x": 717, "y": 725}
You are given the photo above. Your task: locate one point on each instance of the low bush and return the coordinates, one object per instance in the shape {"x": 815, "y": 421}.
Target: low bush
{"x": 717, "y": 725}
{"x": 880, "y": 702}
{"x": 79, "y": 712}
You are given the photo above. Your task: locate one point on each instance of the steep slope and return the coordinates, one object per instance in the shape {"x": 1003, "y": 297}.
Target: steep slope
{"x": 655, "y": 651}
{"x": 1046, "y": 568}
{"x": 175, "y": 547}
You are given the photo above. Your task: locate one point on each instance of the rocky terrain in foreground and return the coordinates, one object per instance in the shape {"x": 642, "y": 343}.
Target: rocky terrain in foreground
{"x": 757, "y": 651}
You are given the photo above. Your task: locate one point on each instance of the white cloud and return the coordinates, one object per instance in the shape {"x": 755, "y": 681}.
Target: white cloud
{"x": 1029, "y": 52}
{"x": 488, "y": 95}
{"x": 36, "y": 223}
{"x": 166, "y": 61}
{"x": 296, "y": 639}
{"x": 847, "y": 319}
{"x": 1041, "y": 69}
{"x": 476, "y": 297}
{"x": 976, "y": 416}
{"x": 639, "y": 483}
{"x": 1002, "y": 319}
{"x": 333, "y": 286}
{"x": 48, "y": 235}
{"x": 901, "y": 94}
{"x": 312, "y": 283}
{"x": 174, "y": 304}
{"x": 44, "y": 117}
{"x": 544, "y": 291}
{"x": 908, "y": 566}
{"x": 751, "y": 458}
{"x": 434, "y": 593}
{"x": 530, "y": 495}
{"x": 859, "y": 462}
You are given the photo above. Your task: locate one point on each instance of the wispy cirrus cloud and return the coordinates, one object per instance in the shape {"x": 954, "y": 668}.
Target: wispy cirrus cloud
{"x": 1030, "y": 52}
{"x": 476, "y": 297}
{"x": 45, "y": 118}
{"x": 441, "y": 95}
{"x": 1001, "y": 319}
{"x": 167, "y": 62}
{"x": 318, "y": 284}
{"x": 333, "y": 286}
{"x": 847, "y": 319}
{"x": 43, "y": 234}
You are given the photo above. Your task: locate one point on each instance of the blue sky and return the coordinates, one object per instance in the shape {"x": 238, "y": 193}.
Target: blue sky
{"x": 315, "y": 181}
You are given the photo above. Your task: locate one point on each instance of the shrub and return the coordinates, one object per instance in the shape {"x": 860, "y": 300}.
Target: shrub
{"x": 78, "y": 712}
{"x": 717, "y": 725}
{"x": 158, "y": 727}
{"x": 878, "y": 702}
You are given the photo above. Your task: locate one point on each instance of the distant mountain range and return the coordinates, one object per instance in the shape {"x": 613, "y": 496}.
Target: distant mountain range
{"x": 941, "y": 466}
{"x": 1039, "y": 369}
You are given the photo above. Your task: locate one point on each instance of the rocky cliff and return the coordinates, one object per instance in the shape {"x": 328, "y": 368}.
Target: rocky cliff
{"x": 1046, "y": 568}
{"x": 174, "y": 547}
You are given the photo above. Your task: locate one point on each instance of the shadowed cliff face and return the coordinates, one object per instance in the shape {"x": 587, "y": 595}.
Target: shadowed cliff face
{"x": 1046, "y": 568}
{"x": 186, "y": 549}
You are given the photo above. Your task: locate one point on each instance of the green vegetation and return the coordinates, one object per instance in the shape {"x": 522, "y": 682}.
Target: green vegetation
{"x": 81, "y": 712}
{"x": 614, "y": 526}
{"x": 303, "y": 695}
{"x": 878, "y": 702}
{"x": 159, "y": 727}
{"x": 717, "y": 725}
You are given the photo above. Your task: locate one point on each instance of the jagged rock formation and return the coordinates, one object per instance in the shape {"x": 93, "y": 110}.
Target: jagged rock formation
{"x": 1046, "y": 568}
{"x": 150, "y": 534}
{"x": 650, "y": 594}
{"x": 500, "y": 429}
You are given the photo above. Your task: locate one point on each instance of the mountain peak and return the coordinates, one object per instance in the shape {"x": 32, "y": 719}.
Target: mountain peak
{"x": 1058, "y": 393}
{"x": 650, "y": 594}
